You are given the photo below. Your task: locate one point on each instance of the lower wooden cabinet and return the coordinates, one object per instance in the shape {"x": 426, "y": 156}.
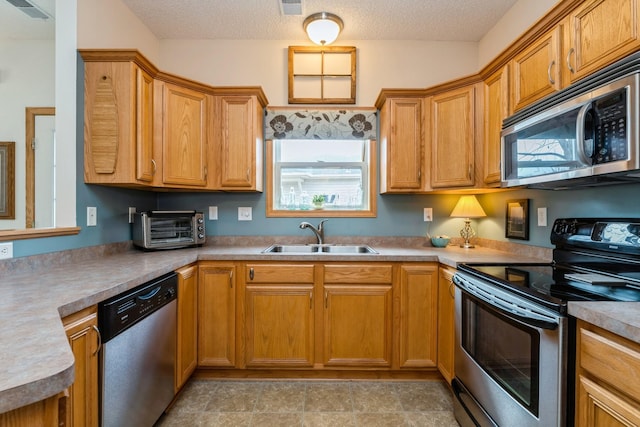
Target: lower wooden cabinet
{"x": 187, "y": 324}
{"x": 607, "y": 378}
{"x": 84, "y": 338}
{"x": 50, "y": 412}
{"x": 446, "y": 323}
{"x": 216, "y": 314}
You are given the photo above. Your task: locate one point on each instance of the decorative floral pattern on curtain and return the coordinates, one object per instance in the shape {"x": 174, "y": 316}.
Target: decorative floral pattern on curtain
{"x": 320, "y": 124}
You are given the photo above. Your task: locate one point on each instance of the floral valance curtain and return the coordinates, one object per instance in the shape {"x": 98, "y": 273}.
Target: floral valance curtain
{"x": 320, "y": 124}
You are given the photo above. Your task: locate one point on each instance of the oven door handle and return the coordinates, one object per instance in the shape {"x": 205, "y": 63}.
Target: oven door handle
{"x": 507, "y": 309}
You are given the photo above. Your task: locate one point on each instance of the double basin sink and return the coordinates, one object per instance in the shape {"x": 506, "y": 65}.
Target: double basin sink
{"x": 320, "y": 249}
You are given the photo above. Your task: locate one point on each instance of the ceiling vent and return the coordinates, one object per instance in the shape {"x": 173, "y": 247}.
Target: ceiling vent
{"x": 289, "y": 7}
{"x": 31, "y": 9}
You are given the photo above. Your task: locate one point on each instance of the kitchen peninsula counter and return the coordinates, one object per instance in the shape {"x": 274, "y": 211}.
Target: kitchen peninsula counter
{"x": 37, "y": 359}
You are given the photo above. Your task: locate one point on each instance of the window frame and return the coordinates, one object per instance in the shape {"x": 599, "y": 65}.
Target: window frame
{"x": 371, "y": 169}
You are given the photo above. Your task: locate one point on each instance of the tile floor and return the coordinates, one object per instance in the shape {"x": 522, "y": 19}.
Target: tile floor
{"x": 312, "y": 403}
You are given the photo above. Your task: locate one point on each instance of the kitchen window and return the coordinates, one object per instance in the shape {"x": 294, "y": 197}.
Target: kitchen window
{"x": 321, "y": 178}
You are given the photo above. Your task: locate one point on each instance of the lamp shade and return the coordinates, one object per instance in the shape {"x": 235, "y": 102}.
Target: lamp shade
{"x": 323, "y": 28}
{"x": 468, "y": 207}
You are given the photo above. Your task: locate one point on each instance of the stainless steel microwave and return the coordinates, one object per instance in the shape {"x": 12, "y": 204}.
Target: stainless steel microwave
{"x": 576, "y": 138}
{"x": 168, "y": 229}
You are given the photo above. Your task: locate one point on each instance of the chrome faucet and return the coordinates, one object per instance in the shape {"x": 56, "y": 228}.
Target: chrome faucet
{"x": 318, "y": 231}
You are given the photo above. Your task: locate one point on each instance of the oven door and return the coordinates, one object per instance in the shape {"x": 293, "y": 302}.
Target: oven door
{"x": 510, "y": 356}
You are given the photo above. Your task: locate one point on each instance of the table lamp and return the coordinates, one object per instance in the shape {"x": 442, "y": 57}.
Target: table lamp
{"x": 467, "y": 207}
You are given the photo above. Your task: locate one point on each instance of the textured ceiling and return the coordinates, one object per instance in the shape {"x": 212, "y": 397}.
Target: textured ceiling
{"x": 454, "y": 20}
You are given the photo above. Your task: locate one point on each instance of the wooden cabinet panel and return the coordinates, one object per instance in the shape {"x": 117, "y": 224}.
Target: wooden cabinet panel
{"x": 238, "y": 143}
{"x": 402, "y": 127}
{"x": 118, "y": 124}
{"x": 453, "y": 138}
{"x": 46, "y": 413}
{"x": 279, "y": 273}
{"x": 357, "y": 325}
{"x": 184, "y": 141}
{"x": 418, "y": 315}
{"x": 279, "y": 325}
{"x": 187, "y": 324}
{"x": 358, "y": 273}
{"x": 446, "y": 323}
{"x": 82, "y": 331}
{"x": 600, "y": 32}
{"x": 496, "y": 109}
{"x": 607, "y": 378}
{"x": 216, "y": 314}
{"x": 536, "y": 70}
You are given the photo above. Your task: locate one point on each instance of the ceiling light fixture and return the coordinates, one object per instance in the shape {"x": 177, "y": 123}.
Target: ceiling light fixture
{"x": 323, "y": 27}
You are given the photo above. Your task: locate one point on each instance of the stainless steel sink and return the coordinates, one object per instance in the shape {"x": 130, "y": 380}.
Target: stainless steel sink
{"x": 317, "y": 249}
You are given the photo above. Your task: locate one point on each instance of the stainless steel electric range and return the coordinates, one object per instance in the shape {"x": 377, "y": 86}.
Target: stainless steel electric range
{"x": 514, "y": 340}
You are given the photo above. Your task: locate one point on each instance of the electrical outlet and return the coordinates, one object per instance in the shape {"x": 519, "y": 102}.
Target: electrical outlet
{"x": 244, "y": 214}
{"x": 6, "y": 250}
{"x": 213, "y": 212}
{"x": 92, "y": 216}
{"x": 428, "y": 214}
{"x": 132, "y": 211}
{"x": 542, "y": 217}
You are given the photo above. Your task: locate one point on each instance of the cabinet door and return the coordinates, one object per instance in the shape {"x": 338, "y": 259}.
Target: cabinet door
{"x": 357, "y": 314}
{"x": 402, "y": 134}
{"x": 598, "y": 406}
{"x": 184, "y": 142}
{"x": 496, "y": 109}
{"x": 279, "y": 315}
{"x": 45, "y": 413}
{"x": 452, "y": 138}
{"x": 187, "y": 324}
{"x": 118, "y": 124}
{"x": 536, "y": 70}
{"x": 418, "y": 315}
{"x": 446, "y": 323}
{"x": 599, "y": 33}
{"x": 238, "y": 143}
{"x": 82, "y": 331}
{"x": 216, "y": 315}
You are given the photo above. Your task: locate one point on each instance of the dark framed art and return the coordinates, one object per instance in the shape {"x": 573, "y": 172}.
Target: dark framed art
{"x": 7, "y": 180}
{"x": 517, "y": 219}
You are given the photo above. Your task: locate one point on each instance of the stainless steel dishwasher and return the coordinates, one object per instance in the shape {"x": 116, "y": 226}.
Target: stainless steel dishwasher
{"x": 137, "y": 362}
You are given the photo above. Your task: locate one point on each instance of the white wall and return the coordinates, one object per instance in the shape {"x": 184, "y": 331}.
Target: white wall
{"x": 380, "y": 64}
{"x": 26, "y": 80}
{"x": 513, "y": 24}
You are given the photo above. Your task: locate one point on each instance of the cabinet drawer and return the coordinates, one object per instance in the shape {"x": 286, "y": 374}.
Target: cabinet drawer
{"x": 361, "y": 273}
{"x": 279, "y": 273}
{"x": 611, "y": 359}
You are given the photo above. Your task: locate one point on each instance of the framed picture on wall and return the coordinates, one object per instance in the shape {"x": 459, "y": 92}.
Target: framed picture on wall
{"x": 7, "y": 180}
{"x": 517, "y": 219}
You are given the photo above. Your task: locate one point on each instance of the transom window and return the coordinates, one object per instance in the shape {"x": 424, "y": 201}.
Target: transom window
{"x": 321, "y": 177}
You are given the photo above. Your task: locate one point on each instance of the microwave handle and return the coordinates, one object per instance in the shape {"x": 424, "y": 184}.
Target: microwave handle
{"x": 581, "y": 141}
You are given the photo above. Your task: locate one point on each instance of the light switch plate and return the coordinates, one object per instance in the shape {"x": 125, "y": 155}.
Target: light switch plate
{"x": 428, "y": 214}
{"x": 542, "y": 217}
{"x": 213, "y": 212}
{"x": 244, "y": 214}
{"x": 92, "y": 216}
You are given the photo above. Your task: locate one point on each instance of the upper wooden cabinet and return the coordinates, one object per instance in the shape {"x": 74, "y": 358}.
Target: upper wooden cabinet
{"x": 402, "y": 142}
{"x": 237, "y": 141}
{"x": 598, "y": 33}
{"x": 496, "y": 109}
{"x": 146, "y": 128}
{"x": 536, "y": 70}
{"x": 118, "y": 124}
{"x": 453, "y": 129}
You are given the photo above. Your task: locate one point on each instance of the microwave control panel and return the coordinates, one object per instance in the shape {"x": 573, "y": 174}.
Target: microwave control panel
{"x": 611, "y": 136}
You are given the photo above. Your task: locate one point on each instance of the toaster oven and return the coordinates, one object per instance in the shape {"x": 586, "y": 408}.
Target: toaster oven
{"x": 168, "y": 229}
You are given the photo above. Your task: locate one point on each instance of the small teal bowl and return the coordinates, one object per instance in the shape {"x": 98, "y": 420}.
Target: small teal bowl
{"x": 440, "y": 242}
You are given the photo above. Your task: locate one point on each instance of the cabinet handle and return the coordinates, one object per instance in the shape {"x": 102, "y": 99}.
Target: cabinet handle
{"x": 231, "y": 279}
{"x": 326, "y": 299}
{"x": 248, "y": 174}
{"x": 251, "y": 273}
{"x": 549, "y": 72}
{"x": 153, "y": 163}
{"x": 206, "y": 172}
{"x": 419, "y": 174}
{"x": 310, "y": 299}
{"x": 569, "y": 60}
{"x": 469, "y": 171}
{"x": 95, "y": 328}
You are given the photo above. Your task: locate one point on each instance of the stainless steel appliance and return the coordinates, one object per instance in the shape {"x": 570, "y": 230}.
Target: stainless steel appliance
{"x": 586, "y": 134}
{"x": 514, "y": 352}
{"x": 168, "y": 229}
{"x": 137, "y": 361}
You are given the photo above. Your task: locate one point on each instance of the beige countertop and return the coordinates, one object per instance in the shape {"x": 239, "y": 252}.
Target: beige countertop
{"x": 621, "y": 318}
{"x": 36, "y": 359}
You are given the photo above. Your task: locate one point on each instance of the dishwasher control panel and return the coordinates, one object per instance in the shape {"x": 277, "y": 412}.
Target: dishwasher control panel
{"x": 118, "y": 313}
